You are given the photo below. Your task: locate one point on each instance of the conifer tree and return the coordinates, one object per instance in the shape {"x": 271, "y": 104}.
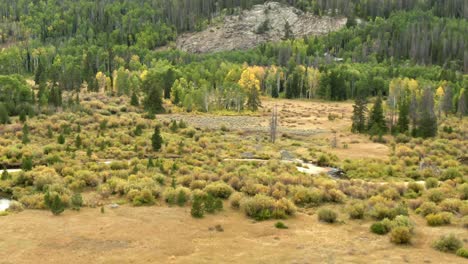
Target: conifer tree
{"x": 156, "y": 139}
{"x": 447, "y": 105}
{"x": 428, "y": 122}
{"x": 61, "y": 139}
{"x": 462, "y": 109}
{"x": 78, "y": 142}
{"x": 377, "y": 123}
{"x": 134, "y": 101}
{"x": 25, "y": 137}
{"x": 54, "y": 203}
{"x": 4, "y": 116}
{"x": 359, "y": 115}
{"x": 26, "y": 163}
{"x": 403, "y": 117}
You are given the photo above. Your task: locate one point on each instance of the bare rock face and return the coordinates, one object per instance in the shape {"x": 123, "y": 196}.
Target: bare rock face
{"x": 263, "y": 23}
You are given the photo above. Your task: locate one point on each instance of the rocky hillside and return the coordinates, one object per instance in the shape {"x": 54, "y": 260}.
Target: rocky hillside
{"x": 261, "y": 24}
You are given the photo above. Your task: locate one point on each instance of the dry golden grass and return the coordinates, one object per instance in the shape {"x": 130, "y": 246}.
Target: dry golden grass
{"x": 170, "y": 235}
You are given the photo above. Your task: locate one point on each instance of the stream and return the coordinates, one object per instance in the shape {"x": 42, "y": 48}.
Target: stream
{"x": 4, "y": 204}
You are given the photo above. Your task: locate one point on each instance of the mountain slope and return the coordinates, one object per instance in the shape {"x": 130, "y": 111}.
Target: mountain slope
{"x": 261, "y": 24}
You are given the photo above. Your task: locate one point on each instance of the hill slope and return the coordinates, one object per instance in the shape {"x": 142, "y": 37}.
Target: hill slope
{"x": 261, "y": 24}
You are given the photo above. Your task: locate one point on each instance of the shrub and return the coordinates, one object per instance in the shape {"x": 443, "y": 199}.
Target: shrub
{"x": 172, "y": 196}
{"x": 219, "y": 189}
{"x": 198, "y": 209}
{"x": 76, "y": 201}
{"x": 465, "y": 221}
{"x": 439, "y": 219}
{"x": 451, "y": 205}
{"x": 327, "y": 215}
{"x": 416, "y": 187}
{"x": 462, "y": 252}
{"x": 435, "y": 195}
{"x": 450, "y": 174}
{"x": 448, "y": 243}
{"x": 143, "y": 197}
{"x": 212, "y": 204}
{"x": 259, "y": 207}
{"x": 432, "y": 183}
{"x": 404, "y": 221}
{"x": 335, "y": 196}
{"x": 463, "y": 190}
{"x": 283, "y": 209}
{"x": 307, "y": 196}
{"x": 280, "y": 225}
{"x": 15, "y": 207}
{"x": 235, "y": 199}
{"x": 400, "y": 235}
{"x": 356, "y": 210}
{"x": 380, "y": 228}
{"x": 427, "y": 208}
{"x": 54, "y": 203}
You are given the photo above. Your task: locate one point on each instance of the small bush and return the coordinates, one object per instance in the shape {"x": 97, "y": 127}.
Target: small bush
{"x": 15, "y": 207}
{"x": 198, "y": 209}
{"x": 465, "y": 221}
{"x": 219, "y": 189}
{"x": 450, "y": 174}
{"x": 327, "y": 215}
{"x": 379, "y": 228}
{"x": 259, "y": 207}
{"x": 448, "y": 243}
{"x": 439, "y": 219}
{"x": 435, "y": 195}
{"x": 404, "y": 221}
{"x": 427, "y": 208}
{"x": 400, "y": 235}
{"x": 462, "y": 252}
{"x": 280, "y": 225}
{"x": 432, "y": 183}
{"x": 356, "y": 210}
{"x": 235, "y": 199}
{"x": 451, "y": 205}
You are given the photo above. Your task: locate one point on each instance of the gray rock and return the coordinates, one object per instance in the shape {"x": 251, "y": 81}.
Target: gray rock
{"x": 286, "y": 155}
{"x": 114, "y": 206}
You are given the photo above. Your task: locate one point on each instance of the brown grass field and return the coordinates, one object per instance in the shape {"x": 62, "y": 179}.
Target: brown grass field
{"x": 170, "y": 235}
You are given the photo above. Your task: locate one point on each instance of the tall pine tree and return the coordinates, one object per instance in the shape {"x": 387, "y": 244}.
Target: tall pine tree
{"x": 377, "y": 123}
{"x": 359, "y": 115}
{"x": 428, "y": 121}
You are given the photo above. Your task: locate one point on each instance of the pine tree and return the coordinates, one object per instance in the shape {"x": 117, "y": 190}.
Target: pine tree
{"x": 22, "y": 116}
{"x": 447, "y": 105}
{"x": 462, "y": 109}
{"x": 4, "y": 116}
{"x": 403, "y": 117}
{"x": 50, "y": 133}
{"x": 61, "y": 139}
{"x": 27, "y": 163}
{"x": 25, "y": 137}
{"x": 5, "y": 175}
{"x": 54, "y": 203}
{"x": 359, "y": 115}
{"x": 428, "y": 122}
{"x": 134, "y": 101}
{"x": 288, "y": 33}
{"x": 377, "y": 123}
{"x": 414, "y": 115}
{"x": 78, "y": 142}
{"x": 150, "y": 163}
{"x": 156, "y": 139}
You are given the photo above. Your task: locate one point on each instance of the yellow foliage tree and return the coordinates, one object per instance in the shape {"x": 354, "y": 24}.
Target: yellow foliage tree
{"x": 251, "y": 86}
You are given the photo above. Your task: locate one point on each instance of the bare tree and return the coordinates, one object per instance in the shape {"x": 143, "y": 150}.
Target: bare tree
{"x": 274, "y": 124}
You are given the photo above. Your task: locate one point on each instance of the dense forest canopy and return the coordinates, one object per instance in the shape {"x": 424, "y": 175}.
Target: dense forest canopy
{"x": 113, "y": 46}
